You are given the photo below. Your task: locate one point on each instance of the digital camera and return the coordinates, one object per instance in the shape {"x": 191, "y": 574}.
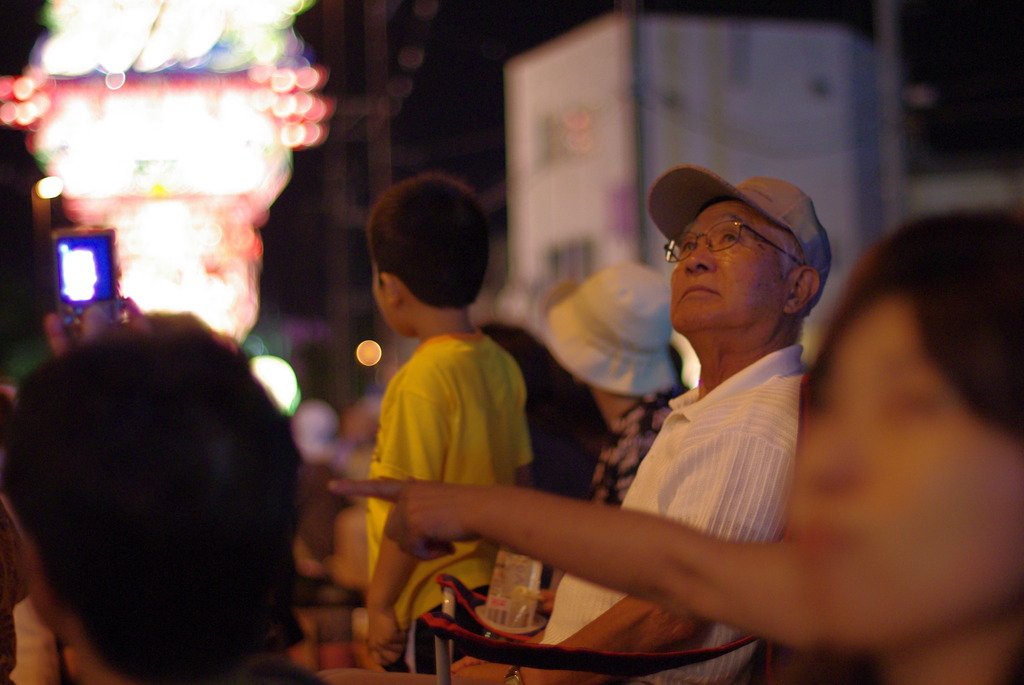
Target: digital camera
{"x": 87, "y": 273}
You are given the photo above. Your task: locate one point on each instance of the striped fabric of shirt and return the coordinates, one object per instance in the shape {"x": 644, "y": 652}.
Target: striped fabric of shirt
{"x": 721, "y": 464}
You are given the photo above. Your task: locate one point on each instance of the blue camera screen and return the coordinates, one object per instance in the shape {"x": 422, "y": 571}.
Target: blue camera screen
{"x": 86, "y": 268}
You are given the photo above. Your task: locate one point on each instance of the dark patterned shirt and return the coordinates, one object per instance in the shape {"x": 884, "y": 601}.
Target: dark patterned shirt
{"x": 635, "y": 432}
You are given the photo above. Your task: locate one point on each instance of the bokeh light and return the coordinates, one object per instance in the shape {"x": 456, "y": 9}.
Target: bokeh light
{"x": 369, "y": 353}
{"x": 278, "y": 377}
{"x": 49, "y": 187}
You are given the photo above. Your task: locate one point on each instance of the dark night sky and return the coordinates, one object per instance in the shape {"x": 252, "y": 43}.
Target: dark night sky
{"x": 452, "y": 117}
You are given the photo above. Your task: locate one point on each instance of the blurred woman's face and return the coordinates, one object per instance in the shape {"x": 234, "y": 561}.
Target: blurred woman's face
{"x": 908, "y": 509}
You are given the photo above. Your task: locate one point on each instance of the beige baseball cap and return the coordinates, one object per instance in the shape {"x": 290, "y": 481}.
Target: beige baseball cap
{"x": 679, "y": 194}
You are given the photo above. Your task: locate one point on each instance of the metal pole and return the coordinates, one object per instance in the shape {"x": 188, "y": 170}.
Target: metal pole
{"x": 42, "y": 219}
{"x": 892, "y": 145}
{"x": 631, "y": 10}
{"x": 337, "y": 201}
{"x": 378, "y": 120}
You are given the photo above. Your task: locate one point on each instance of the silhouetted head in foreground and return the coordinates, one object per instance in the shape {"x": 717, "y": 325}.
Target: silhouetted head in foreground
{"x": 154, "y": 482}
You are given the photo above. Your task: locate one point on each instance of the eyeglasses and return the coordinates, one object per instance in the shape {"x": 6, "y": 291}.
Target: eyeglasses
{"x": 720, "y": 236}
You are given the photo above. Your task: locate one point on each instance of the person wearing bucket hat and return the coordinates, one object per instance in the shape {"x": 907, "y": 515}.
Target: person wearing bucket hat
{"x": 613, "y": 332}
{"x": 750, "y": 262}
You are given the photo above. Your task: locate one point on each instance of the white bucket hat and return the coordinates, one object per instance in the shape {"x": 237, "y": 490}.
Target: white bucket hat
{"x": 612, "y": 331}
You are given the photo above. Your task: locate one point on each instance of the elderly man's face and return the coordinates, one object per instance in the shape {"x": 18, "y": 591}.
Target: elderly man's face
{"x": 739, "y": 288}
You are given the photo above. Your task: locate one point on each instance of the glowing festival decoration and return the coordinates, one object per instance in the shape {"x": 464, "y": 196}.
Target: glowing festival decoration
{"x": 173, "y": 121}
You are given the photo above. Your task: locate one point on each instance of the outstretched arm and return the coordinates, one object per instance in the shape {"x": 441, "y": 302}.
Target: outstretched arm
{"x": 749, "y": 585}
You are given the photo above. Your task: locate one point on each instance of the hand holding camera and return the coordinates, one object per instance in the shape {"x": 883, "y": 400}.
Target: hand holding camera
{"x": 89, "y": 301}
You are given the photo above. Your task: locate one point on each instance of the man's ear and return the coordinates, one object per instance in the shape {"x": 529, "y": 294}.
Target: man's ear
{"x": 804, "y": 283}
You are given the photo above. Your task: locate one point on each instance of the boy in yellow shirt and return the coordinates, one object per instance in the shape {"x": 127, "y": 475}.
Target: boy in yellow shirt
{"x": 454, "y": 412}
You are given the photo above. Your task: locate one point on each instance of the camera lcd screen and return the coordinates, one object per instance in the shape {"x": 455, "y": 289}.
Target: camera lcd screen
{"x": 85, "y": 268}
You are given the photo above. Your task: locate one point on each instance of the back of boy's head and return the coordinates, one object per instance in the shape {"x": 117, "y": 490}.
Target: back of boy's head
{"x": 431, "y": 233}
{"x": 157, "y": 481}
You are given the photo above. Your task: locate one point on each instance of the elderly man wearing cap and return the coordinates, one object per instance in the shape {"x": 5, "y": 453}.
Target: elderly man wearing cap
{"x": 750, "y": 262}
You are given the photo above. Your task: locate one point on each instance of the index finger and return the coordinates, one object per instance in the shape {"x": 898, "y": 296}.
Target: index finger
{"x": 379, "y": 489}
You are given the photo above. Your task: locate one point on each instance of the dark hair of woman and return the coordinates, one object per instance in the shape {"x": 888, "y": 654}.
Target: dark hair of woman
{"x": 963, "y": 274}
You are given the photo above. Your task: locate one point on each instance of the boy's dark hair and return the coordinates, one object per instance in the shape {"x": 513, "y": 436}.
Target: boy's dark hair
{"x": 431, "y": 233}
{"x": 157, "y": 481}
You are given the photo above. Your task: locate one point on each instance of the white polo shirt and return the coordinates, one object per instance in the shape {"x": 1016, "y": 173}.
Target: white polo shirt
{"x": 723, "y": 465}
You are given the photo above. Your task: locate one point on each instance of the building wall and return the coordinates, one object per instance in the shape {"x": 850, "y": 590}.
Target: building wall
{"x": 571, "y": 154}
{"x": 938, "y": 192}
{"x": 598, "y": 113}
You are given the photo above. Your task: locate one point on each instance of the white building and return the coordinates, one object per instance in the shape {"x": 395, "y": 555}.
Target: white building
{"x": 594, "y": 116}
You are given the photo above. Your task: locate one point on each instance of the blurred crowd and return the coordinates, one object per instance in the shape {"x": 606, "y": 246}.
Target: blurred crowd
{"x": 855, "y": 518}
